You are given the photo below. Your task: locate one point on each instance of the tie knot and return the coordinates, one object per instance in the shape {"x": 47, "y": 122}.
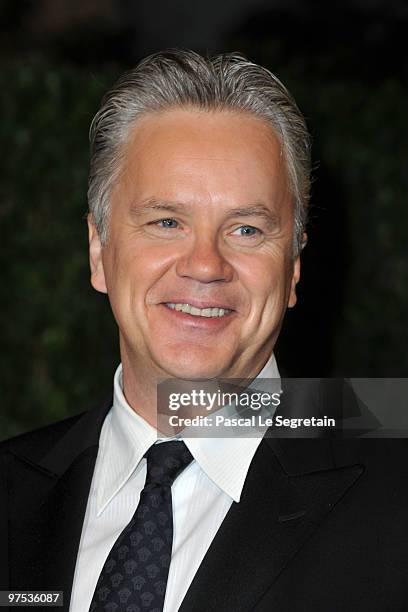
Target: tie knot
{"x": 165, "y": 461}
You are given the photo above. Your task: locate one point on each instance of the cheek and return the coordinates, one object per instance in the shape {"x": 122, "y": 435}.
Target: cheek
{"x": 267, "y": 284}
{"x": 154, "y": 261}
{"x": 261, "y": 278}
{"x": 122, "y": 270}
{"x": 134, "y": 264}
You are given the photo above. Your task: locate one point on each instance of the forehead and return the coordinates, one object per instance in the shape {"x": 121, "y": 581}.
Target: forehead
{"x": 194, "y": 155}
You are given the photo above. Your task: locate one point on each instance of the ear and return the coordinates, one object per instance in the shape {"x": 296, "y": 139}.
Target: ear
{"x": 296, "y": 275}
{"x": 95, "y": 258}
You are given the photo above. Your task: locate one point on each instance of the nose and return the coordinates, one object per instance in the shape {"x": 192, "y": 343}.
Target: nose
{"x": 204, "y": 262}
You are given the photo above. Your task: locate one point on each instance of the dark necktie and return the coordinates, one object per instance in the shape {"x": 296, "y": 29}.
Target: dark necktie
{"x": 134, "y": 576}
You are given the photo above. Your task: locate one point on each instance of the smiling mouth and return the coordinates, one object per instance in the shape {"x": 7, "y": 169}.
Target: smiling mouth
{"x": 198, "y": 312}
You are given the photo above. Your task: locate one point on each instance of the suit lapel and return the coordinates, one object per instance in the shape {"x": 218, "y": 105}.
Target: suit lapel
{"x": 290, "y": 488}
{"x": 48, "y": 499}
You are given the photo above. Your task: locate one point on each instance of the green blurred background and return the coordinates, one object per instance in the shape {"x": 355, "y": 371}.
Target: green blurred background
{"x": 346, "y": 67}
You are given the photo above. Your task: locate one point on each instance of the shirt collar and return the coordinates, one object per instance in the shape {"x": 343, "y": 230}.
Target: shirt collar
{"x": 126, "y": 437}
{"x": 226, "y": 460}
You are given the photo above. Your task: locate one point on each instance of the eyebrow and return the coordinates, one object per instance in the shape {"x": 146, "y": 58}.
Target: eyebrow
{"x": 255, "y": 210}
{"x": 156, "y": 205}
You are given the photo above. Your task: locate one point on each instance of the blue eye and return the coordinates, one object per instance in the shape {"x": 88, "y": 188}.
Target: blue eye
{"x": 167, "y": 223}
{"x": 248, "y": 231}
{"x": 247, "y": 236}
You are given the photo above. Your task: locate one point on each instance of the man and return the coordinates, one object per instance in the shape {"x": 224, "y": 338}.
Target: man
{"x": 198, "y": 195}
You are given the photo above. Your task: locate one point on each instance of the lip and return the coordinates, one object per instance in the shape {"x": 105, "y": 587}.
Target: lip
{"x": 194, "y": 323}
{"x": 198, "y": 303}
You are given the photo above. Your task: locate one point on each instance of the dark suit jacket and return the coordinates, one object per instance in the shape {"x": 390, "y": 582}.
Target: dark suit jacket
{"x": 322, "y": 524}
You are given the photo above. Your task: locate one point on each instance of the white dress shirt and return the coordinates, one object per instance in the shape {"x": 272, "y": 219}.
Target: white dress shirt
{"x": 201, "y": 495}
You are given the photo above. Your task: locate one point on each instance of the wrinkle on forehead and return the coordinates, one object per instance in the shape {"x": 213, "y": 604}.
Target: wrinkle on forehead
{"x": 177, "y": 144}
{"x": 164, "y": 120}
{"x": 206, "y": 158}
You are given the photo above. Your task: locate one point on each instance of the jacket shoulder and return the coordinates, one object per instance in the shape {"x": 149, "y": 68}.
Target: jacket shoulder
{"x": 37, "y": 442}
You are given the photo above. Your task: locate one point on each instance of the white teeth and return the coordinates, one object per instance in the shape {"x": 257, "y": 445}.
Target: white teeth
{"x": 198, "y": 312}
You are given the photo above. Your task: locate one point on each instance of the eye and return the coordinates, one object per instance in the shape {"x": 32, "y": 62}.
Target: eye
{"x": 166, "y": 223}
{"x": 166, "y": 229}
{"x": 246, "y": 236}
{"x": 247, "y": 231}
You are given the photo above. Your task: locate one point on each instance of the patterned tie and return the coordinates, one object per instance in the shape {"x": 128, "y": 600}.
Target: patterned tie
{"x": 134, "y": 577}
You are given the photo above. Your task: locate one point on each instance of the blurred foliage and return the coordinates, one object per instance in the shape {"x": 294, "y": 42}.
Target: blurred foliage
{"x": 58, "y": 338}
{"x": 59, "y": 341}
{"x": 355, "y": 266}
{"x": 363, "y": 137}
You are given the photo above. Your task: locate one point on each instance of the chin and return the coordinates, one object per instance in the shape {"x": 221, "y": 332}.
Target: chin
{"x": 192, "y": 364}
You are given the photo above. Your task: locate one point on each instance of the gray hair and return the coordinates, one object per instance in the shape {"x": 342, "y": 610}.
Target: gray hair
{"x": 182, "y": 78}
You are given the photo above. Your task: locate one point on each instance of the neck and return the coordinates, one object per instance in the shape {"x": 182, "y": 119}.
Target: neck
{"x": 140, "y": 388}
{"x": 141, "y": 380}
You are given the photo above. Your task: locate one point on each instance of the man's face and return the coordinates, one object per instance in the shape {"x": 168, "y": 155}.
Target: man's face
{"x": 201, "y": 216}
